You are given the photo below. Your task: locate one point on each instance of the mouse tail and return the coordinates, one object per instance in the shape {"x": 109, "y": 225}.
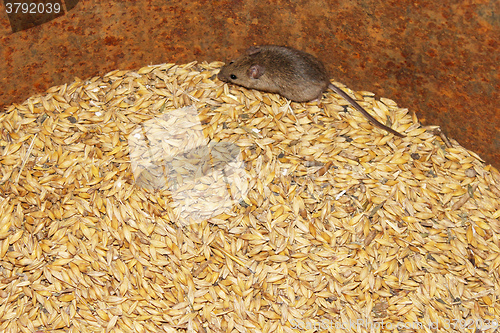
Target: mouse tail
{"x": 363, "y": 111}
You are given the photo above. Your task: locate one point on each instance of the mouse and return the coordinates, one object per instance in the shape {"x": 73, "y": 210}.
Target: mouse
{"x": 291, "y": 73}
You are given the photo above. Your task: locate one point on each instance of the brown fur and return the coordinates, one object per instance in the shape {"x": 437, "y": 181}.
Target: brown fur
{"x": 294, "y": 74}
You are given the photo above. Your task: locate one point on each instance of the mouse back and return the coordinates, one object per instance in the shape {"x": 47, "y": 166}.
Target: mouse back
{"x": 294, "y": 74}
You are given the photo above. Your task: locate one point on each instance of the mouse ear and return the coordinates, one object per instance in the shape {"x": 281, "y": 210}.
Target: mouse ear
{"x": 255, "y": 71}
{"x": 253, "y": 50}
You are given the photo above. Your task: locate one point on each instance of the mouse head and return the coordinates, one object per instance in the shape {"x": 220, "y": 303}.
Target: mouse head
{"x": 248, "y": 71}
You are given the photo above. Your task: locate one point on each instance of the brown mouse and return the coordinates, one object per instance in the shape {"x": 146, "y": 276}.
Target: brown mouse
{"x": 294, "y": 74}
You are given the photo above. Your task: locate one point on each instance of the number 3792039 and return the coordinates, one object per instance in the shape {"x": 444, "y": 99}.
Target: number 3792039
{"x": 32, "y": 8}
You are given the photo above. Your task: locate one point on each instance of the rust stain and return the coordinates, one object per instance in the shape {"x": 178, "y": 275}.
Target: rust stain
{"x": 439, "y": 59}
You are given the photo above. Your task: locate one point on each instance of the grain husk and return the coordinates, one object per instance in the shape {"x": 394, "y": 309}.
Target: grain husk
{"x": 161, "y": 200}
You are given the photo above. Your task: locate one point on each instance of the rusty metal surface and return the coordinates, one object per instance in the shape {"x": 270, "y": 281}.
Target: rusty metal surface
{"x": 439, "y": 59}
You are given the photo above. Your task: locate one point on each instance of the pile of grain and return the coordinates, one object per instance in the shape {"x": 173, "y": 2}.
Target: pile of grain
{"x": 116, "y": 215}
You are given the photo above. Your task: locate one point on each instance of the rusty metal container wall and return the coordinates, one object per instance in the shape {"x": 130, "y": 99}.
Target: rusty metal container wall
{"x": 439, "y": 59}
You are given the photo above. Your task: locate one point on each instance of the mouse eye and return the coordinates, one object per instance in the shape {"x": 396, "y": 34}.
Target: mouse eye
{"x": 233, "y": 77}
{"x": 231, "y": 62}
